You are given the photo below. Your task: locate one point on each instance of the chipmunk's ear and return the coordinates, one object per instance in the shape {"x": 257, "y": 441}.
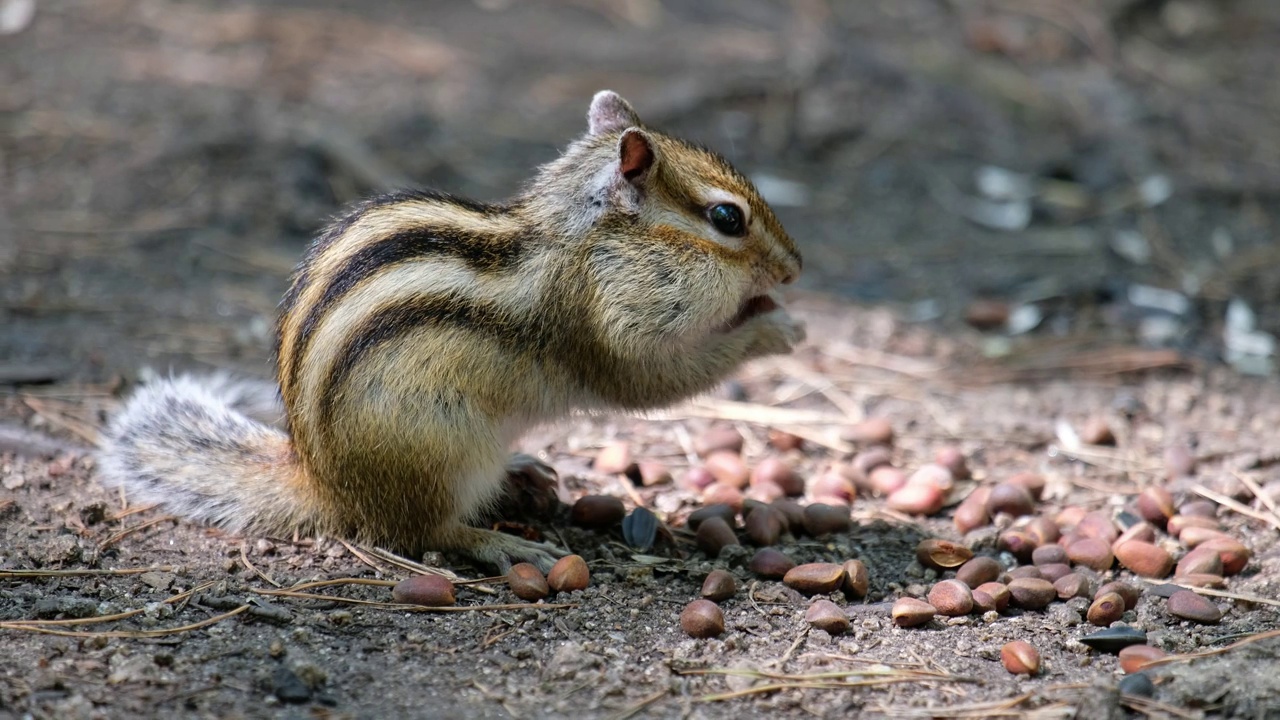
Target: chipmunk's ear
{"x": 636, "y": 155}
{"x": 610, "y": 113}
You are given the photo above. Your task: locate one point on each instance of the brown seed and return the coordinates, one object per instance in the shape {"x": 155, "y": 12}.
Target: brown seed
{"x": 1070, "y": 516}
{"x": 764, "y": 525}
{"x": 1204, "y": 580}
{"x": 986, "y": 314}
{"x": 527, "y": 582}
{"x": 972, "y": 513}
{"x": 1033, "y": 483}
{"x": 1049, "y": 555}
{"x": 828, "y": 617}
{"x": 932, "y": 474}
{"x": 779, "y": 472}
{"x": 702, "y": 619}
{"x": 1190, "y": 606}
{"x": 1091, "y": 553}
{"x": 872, "y": 431}
{"x": 1178, "y": 523}
{"x": 814, "y": 578}
{"x": 1106, "y": 609}
{"x": 834, "y": 484}
{"x": 1031, "y": 593}
{"x": 719, "y": 585}
{"x": 979, "y": 570}
{"x": 1200, "y": 560}
{"x": 718, "y": 438}
{"x": 951, "y": 458}
{"x": 720, "y": 510}
{"x": 1234, "y": 556}
{"x": 856, "y": 579}
{"x": 1017, "y": 543}
{"x": 1073, "y": 585}
{"x": 1135, "y": 657}
{"x": 942, "y": 554}
{"x": 727, "y": 467}
{"x": 1194, "y": 537}
{"x": 821, "y": 519}
{"x": 1145, "y": 559}
{"x": 613, "y": 458}
{"x": 1142, "y": 531}
{"x": 1098, "y": 524}
{"x": 1020, "y": 658}
{"x": 1026, "y": 571}
{"x": 428, "y": 590}
{"x": 597, "y": 511}
{"x": 784, "y": 441}
{"x": 992, "y": 596}
{"x": 720, "y": 494}
{"x": 916, "y": 499}
{"x": 910, "y": 612}
{"x": 1097, "y": 431}
{"x": 1155, "y": 505}
{"x": 653, "y": 473}
{"x": 865, "y": 462}
{"x": 770, "y": 563}
{"x": 1043, "y": 530}
{"x": 568, "y": 574}
{"x": 887, "y": 480}
{"x": 697, "y": 479}
{"x": 1010, "y": 499}
{"x": 951, "y": 598}
{"x": 1199, "y": 508}
{"x": 792, "y": 513}
{"x": 1124, "y": 590}
{"x": 713, "y": 535}
{"x": 1053, "y": 571}
{"x": 763, "y": 493}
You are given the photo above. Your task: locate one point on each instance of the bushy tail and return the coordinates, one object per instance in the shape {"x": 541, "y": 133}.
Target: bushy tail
{"x": 184, "y": 442}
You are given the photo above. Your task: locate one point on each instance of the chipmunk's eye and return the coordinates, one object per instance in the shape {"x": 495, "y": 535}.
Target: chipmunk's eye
{"x": 728, "y": 219}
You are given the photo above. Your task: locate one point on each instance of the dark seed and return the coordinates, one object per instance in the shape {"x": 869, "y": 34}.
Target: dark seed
{"x": 719, "y": 585}
{"x": 640, "y": 528}
{"x": 1138, "y": 684}
{"x": 827, "y": 616}
{"x": 713, "y": 535}
{"x": 702, "y": 619}
{"x": 597, "y": 511}
{"x": 1115, "y": 639}
{"x": 720, "y": 510}
{"x": 770, "y": 563}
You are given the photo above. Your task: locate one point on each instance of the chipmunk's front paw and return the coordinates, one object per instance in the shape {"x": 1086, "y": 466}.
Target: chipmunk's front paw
{"x": 778, "y": 333}
{"x": 500, "y": 550}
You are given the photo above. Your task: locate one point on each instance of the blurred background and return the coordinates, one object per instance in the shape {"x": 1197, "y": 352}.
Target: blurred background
{"x": 1102, "y": 169}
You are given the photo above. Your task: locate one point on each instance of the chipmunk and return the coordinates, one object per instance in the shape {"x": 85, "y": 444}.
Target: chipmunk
{"x": 423, "y": 334}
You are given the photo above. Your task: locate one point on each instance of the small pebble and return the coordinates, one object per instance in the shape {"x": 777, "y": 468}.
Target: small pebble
{"x": 719, "y": 585}
{"x": 1020, "y": 658}
{"x": 910, "y": 612}
{"x": 429, "y": 590}
{"x": 828, "y": 617}
{"x": 527, "y": 582}
{"x": 1106, "y": 609}
{"x": 1190, "y": 606}
{"x": 814, "y": 578}
{"x": 770, "y": 563}
{"x": 1114, "y": 639}
{"x": 702, "y": 619}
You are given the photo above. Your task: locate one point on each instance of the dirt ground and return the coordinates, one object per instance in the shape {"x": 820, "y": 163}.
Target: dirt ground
{"x": 165, "y": 163}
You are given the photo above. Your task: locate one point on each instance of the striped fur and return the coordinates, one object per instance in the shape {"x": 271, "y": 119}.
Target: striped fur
{"x": 422, "y": 334}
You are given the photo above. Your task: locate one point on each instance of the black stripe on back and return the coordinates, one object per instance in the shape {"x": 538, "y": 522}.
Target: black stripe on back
{"x": 481, "y": 254}
{"x": 441, "y": 311}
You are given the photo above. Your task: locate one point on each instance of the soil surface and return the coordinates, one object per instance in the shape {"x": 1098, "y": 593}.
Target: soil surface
{"x": 165, "y": 163}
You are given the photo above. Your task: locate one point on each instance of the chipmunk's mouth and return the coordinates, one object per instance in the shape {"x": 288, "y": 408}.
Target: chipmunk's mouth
{"x": 751, "y": 307}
